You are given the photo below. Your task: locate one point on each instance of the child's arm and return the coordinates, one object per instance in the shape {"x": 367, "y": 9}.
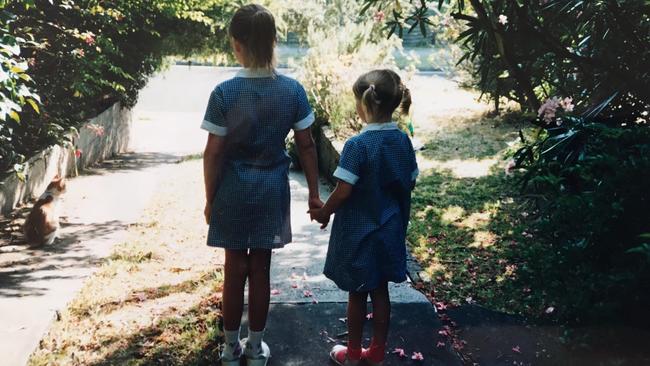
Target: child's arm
{"x": 308, "y": 160}
{"x": 336, "y": 199}
{"x": 212, "y": 164}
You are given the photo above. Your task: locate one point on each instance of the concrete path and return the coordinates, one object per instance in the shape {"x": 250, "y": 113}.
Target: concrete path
{"x": 35, "y": 284}
{"x": 97, "y": 208}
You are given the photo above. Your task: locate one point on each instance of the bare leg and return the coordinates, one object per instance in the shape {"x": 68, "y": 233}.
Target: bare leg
{"x": 236, "y": 271}
{"x": 356, "y": 317}
{"x": 380, "y": 321}
{"x": 259, "y": 288}
{"x": 381, "y": 314}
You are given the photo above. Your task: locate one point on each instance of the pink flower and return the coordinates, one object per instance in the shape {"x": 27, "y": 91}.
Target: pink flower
{"x": 89, "y": 38}
{"x": 308, "y": 293}
{"x": 369, "y": 316}
{"x": 440, "y": 344}
{"x": 516, "y": 349}
{"x": 77, "y": 153}
{"x": 275, "y": 291}
{"x": 417, "y": 356}
{"x": 400, "y": 352}
{"x": 79, "y": 52}
{"x": 510, "y": 167}
{"x": 379, "y": 16}
{"x": 548, "y": 109}
{"x": 443, "y": 333}
{"x": 294, "y": 285}
{"x": 503, "y": 19}
{"x": 567, "y": 104}
{"x": 440, "y": 305}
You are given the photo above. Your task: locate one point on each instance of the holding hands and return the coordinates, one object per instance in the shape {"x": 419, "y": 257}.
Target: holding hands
{"x": 322, "y": 212}
{"x": 316, "y": 212}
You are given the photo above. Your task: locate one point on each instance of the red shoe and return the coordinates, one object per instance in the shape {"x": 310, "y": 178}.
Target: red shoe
{"x": 365, "y": 356}
{"x": 339, "y": 354}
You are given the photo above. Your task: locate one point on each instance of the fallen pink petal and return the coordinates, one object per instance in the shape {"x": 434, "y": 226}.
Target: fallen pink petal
{"x": 400, "y": 352}
{"x": 516, "y": 349}
{"x": 369, "y": 316}
{"x": 275, "y": 291}
{"x": 417, "y": 356}
{"x": 440, "y": 344}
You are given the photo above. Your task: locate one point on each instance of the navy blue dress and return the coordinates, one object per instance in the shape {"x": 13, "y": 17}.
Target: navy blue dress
{"x": 255, "y": 111}
{"x": 367, "y": 243}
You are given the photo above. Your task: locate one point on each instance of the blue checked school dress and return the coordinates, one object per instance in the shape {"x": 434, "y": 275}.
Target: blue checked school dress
{"x": 367, "y": 242}
{"x": 254, "y": 112}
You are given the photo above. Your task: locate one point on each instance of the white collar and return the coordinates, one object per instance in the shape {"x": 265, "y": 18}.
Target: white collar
{"x": 256, "y": 73}
{"x": 380, "y": 126}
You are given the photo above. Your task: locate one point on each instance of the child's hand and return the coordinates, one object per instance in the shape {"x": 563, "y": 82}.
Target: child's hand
{"x": 315, "y": 202}
{"x": 320, "y": 216}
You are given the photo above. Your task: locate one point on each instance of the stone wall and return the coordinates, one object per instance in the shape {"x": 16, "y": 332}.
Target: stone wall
{"x": 59, "y": 159}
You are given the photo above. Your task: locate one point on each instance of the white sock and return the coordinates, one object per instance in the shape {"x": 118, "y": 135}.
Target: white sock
{"x": 231, "y": 349}
{"x": 255, "y": 341}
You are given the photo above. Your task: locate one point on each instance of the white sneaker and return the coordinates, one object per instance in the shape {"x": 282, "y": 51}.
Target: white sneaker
{"x": 235, "y": 360}
{"x": 259, "y": 359}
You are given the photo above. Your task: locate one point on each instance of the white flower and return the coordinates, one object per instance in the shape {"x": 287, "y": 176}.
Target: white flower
{"x": 503, "y": 19}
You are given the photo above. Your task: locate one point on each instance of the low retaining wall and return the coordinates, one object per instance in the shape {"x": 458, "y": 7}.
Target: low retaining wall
{"x": 59, "y": 159}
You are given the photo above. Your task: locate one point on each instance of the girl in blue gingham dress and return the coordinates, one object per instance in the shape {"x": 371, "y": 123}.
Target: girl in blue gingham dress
{"x": 372, "y": 200}
{"x": 246, "y": 175}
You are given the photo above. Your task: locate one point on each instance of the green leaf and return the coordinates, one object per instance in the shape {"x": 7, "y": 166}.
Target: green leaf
{"x": 15, "y": 116}
{"x": 34, "y": 105}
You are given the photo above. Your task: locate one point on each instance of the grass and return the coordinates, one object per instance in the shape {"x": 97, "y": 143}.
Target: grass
{"x": 156, "y": 299}
{"x": 469, "y": 220}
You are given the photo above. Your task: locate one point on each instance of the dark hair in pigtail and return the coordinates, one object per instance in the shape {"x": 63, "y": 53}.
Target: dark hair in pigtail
{"x": 370, "y": 99}
{"x": 382, "y": 92}
{"x": 254, "y": 26}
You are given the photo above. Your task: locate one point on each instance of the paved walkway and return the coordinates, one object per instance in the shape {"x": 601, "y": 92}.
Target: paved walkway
{"x": 35, "y": 284}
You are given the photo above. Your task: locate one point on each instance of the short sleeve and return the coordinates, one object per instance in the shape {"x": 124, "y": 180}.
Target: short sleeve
{"x": 352, "y": 158}
{"x": 214, "y": 120}
{"x": 304, "y": 114}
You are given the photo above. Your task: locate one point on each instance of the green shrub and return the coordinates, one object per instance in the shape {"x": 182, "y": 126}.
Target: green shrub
{"x": 590, "y": 177}
{"x": 342, "y": 47}
{"x": 87, "y": 55}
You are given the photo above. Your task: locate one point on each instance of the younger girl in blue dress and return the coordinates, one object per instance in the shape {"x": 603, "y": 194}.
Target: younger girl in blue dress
{"x": 246, "y": 175}
{"x": 372, "y": 202}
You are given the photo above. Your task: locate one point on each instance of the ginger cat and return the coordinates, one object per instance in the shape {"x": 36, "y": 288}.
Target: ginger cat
{"x": 42, "y": 224}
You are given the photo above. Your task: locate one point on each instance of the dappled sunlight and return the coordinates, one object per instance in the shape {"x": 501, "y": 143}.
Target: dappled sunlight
{"x": 452, "y": 214}
{"x": 483, "y": 239}
{"x": 475, "y": 220}
{"x": 467, "y": 168}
